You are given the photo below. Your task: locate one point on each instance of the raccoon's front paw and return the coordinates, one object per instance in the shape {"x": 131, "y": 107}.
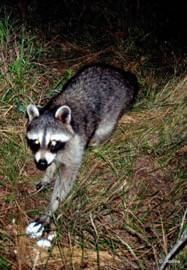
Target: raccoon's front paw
{"x": 36, "y": 229}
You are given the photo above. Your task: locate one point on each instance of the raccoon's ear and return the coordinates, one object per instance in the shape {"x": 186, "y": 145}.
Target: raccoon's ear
{"x": 63, "y": 113}
{"x": 32, "y": 112}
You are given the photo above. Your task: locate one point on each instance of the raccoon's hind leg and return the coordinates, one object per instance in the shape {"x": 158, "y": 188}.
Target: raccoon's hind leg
{"x": 47, "y": 179}
{"x": 103, "y": 132}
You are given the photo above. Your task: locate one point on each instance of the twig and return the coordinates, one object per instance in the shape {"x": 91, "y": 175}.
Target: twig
{"x": 36, "y": 258}
{"x": 177, "y": 247}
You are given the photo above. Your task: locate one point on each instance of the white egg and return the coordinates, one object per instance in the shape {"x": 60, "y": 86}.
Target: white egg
{"x": 51, "y": 236}
{"x": 44, "y": 243}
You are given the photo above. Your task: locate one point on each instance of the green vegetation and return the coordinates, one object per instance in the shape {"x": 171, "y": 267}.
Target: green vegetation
{"x": 127, "y": 205}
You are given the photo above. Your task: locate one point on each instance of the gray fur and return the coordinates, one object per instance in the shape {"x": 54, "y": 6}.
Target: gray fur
{"x": 94, "y": 99}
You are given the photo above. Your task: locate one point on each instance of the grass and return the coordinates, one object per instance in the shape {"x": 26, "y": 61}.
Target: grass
{"x": 126, "y": 209}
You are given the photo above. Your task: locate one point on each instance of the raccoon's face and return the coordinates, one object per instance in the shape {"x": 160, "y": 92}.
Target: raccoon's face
{"x": 48, "y": 134}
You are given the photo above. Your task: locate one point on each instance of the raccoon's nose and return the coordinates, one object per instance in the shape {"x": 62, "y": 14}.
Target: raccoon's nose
{"x": 42, "y": 164}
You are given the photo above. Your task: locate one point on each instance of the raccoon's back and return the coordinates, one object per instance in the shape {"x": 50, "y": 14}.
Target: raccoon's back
{"x": 97, "y": 86}
{"x": 95, "y": 92}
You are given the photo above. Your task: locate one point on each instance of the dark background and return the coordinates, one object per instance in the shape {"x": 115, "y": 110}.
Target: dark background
{"x": 164, "y": 21}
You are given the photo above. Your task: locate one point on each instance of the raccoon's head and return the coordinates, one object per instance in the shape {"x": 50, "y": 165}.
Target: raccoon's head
{"x": 48, "y": 133}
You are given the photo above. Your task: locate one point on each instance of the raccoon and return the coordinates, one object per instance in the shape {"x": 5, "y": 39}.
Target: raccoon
{"x": 84, "y": 113}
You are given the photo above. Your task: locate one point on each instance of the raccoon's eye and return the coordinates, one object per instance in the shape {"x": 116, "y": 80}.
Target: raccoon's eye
{"x": 55, "y": 146}
{"x": 34, "y": 145}
{"x": 53, "y": 143}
